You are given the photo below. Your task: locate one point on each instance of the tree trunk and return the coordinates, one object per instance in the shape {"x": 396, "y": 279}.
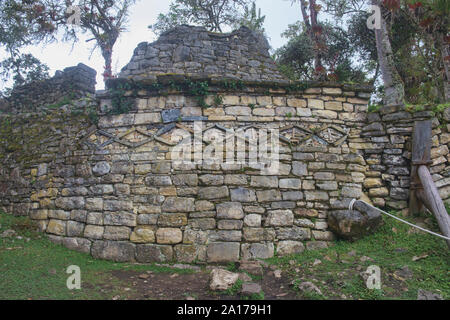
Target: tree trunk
{"x": 107, "y": 56}
{"x": 314, "y": 35}
{"x": 434, "y": 201}
{"x": 446, "y": 61}
{"x": 394, "y": 90}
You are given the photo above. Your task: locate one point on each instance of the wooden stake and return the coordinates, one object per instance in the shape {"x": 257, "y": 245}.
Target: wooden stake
{"x": 434, "y": 201}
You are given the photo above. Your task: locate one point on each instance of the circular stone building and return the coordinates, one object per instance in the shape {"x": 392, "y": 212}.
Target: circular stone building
{"x": 149, "y": 182}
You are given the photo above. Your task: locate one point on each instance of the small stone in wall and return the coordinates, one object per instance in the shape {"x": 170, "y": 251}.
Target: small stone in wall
{"x": 101, "y": 168}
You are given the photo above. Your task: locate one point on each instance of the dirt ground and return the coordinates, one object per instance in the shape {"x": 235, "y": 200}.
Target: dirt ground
{"x": 187, "y": 286}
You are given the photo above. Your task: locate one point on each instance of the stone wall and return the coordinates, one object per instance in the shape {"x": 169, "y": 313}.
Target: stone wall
{"x": 242, "y": 54}
{"x": 71, "y": 83}
{"x": 387, "y": 149}
{"x": 114, "y": 190}
{"x": 117, "y": 194}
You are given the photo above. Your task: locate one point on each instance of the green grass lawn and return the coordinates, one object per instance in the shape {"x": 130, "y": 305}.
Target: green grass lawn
{"x": 394, "y": 246}
{"x": 36, "y": 269}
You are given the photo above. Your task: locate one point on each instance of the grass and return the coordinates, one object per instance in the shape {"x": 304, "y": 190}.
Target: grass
{"x": 391, "y": 248}
{"x": 35, "y": 268}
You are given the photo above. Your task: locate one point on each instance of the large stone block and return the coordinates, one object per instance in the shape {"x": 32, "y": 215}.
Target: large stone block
{"x": 243, "y": 195}
{"x": 209, "y": 193}
{"x": 117, "y": 233}
{"x": 142, "y": 235}
{"x": 169, "y": 236}
{"x": 289, "y": 247}
{"x": 77, "y": 244}
{"x": 230, "y": 210}
{"x": 257, "y": 251}
{"x": 57, "y": 227}
{"x": 176, "y": 204}
{"x": 118, "y": 251}
{"x": 223, "y": 252}
{"x": 148, "y": 253}
{"x": 70, "y": 203}
{"x": 353, "y": 225}
{"x": 190, "y": 253}
{"x": 280, "y": 218}
{"x": 75, "y": 229}
{"x": 120, "y": 218}
{"x": 172, "y": 219}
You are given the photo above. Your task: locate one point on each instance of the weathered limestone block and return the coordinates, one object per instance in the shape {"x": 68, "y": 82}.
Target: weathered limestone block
{"x": 230, "y": 210}
{"x": 243, "y": 195}
{"x": 191, "y": 236}
{"x": 289, "y": 247}
{"x": 94, "y": 232}
{"x": 77, "y": 244}
{"x": 118, "y": 251}
{"x": 70, "y": 203}
{"x": 204, "y": 205}
{"x": 153, "y": 180}
{"x": 252, "y": 220}
{"x": 280, "y": 218}
{"x": 176, "y": 204}
{"x": 230, "y": 224}
{"x": 117, "y": 205}
{"x": 57, "y": 227}
{"x": 223, "y": 252}
{"x": 257, "y": 251}
{"x": 258, "y": 234}
{"x": 299, "y": 168}
{"x": 40, "y": 214}
{"x": 264, "y": 181}
{"x": 169, "y": 236}
{"x": 323, "y": 235}
{"x": 75, "y": 229}
{"x": 209, "y": 193}
{"x": 94, "y": 204}
{"x": 268, "y": 195}
{"x": 142, "y": 235}
{"x": 294, "y": 233}
{"x": 117, "y": 233}
{"x": 101, "y": 168}
{"x": 222, "y": 279}
{"x": 290, "y": 184}
{"x": 120, "y": 218}
{"x": 211, "y": 180}
{"x": 172, "y": 219}
{"x": 95, "y": 218}
{"x": 78, "y": 215}
{"x": 311, "y": 213}
{"x": 353, "y": 225}
{"x": 225, "y": 235}
{"x": 148, "y": 253}
{"x": 190, "y": 253}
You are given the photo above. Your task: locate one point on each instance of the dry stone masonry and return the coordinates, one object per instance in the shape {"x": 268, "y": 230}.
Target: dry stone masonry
{"x": 193, "y": 51}
{"x": 114, "y": 191}
{"x": 71, "y": 83}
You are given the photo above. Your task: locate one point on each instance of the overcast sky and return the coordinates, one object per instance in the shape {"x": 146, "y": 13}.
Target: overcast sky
{"x": 279, "y": 14}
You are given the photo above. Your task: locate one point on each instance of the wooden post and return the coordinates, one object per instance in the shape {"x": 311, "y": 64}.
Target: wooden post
{"x": 434, "y": 201}
{"x": 421, "y": 155}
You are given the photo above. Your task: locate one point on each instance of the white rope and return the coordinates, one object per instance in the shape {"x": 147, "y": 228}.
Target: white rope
{"x": 350, "y": 207}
